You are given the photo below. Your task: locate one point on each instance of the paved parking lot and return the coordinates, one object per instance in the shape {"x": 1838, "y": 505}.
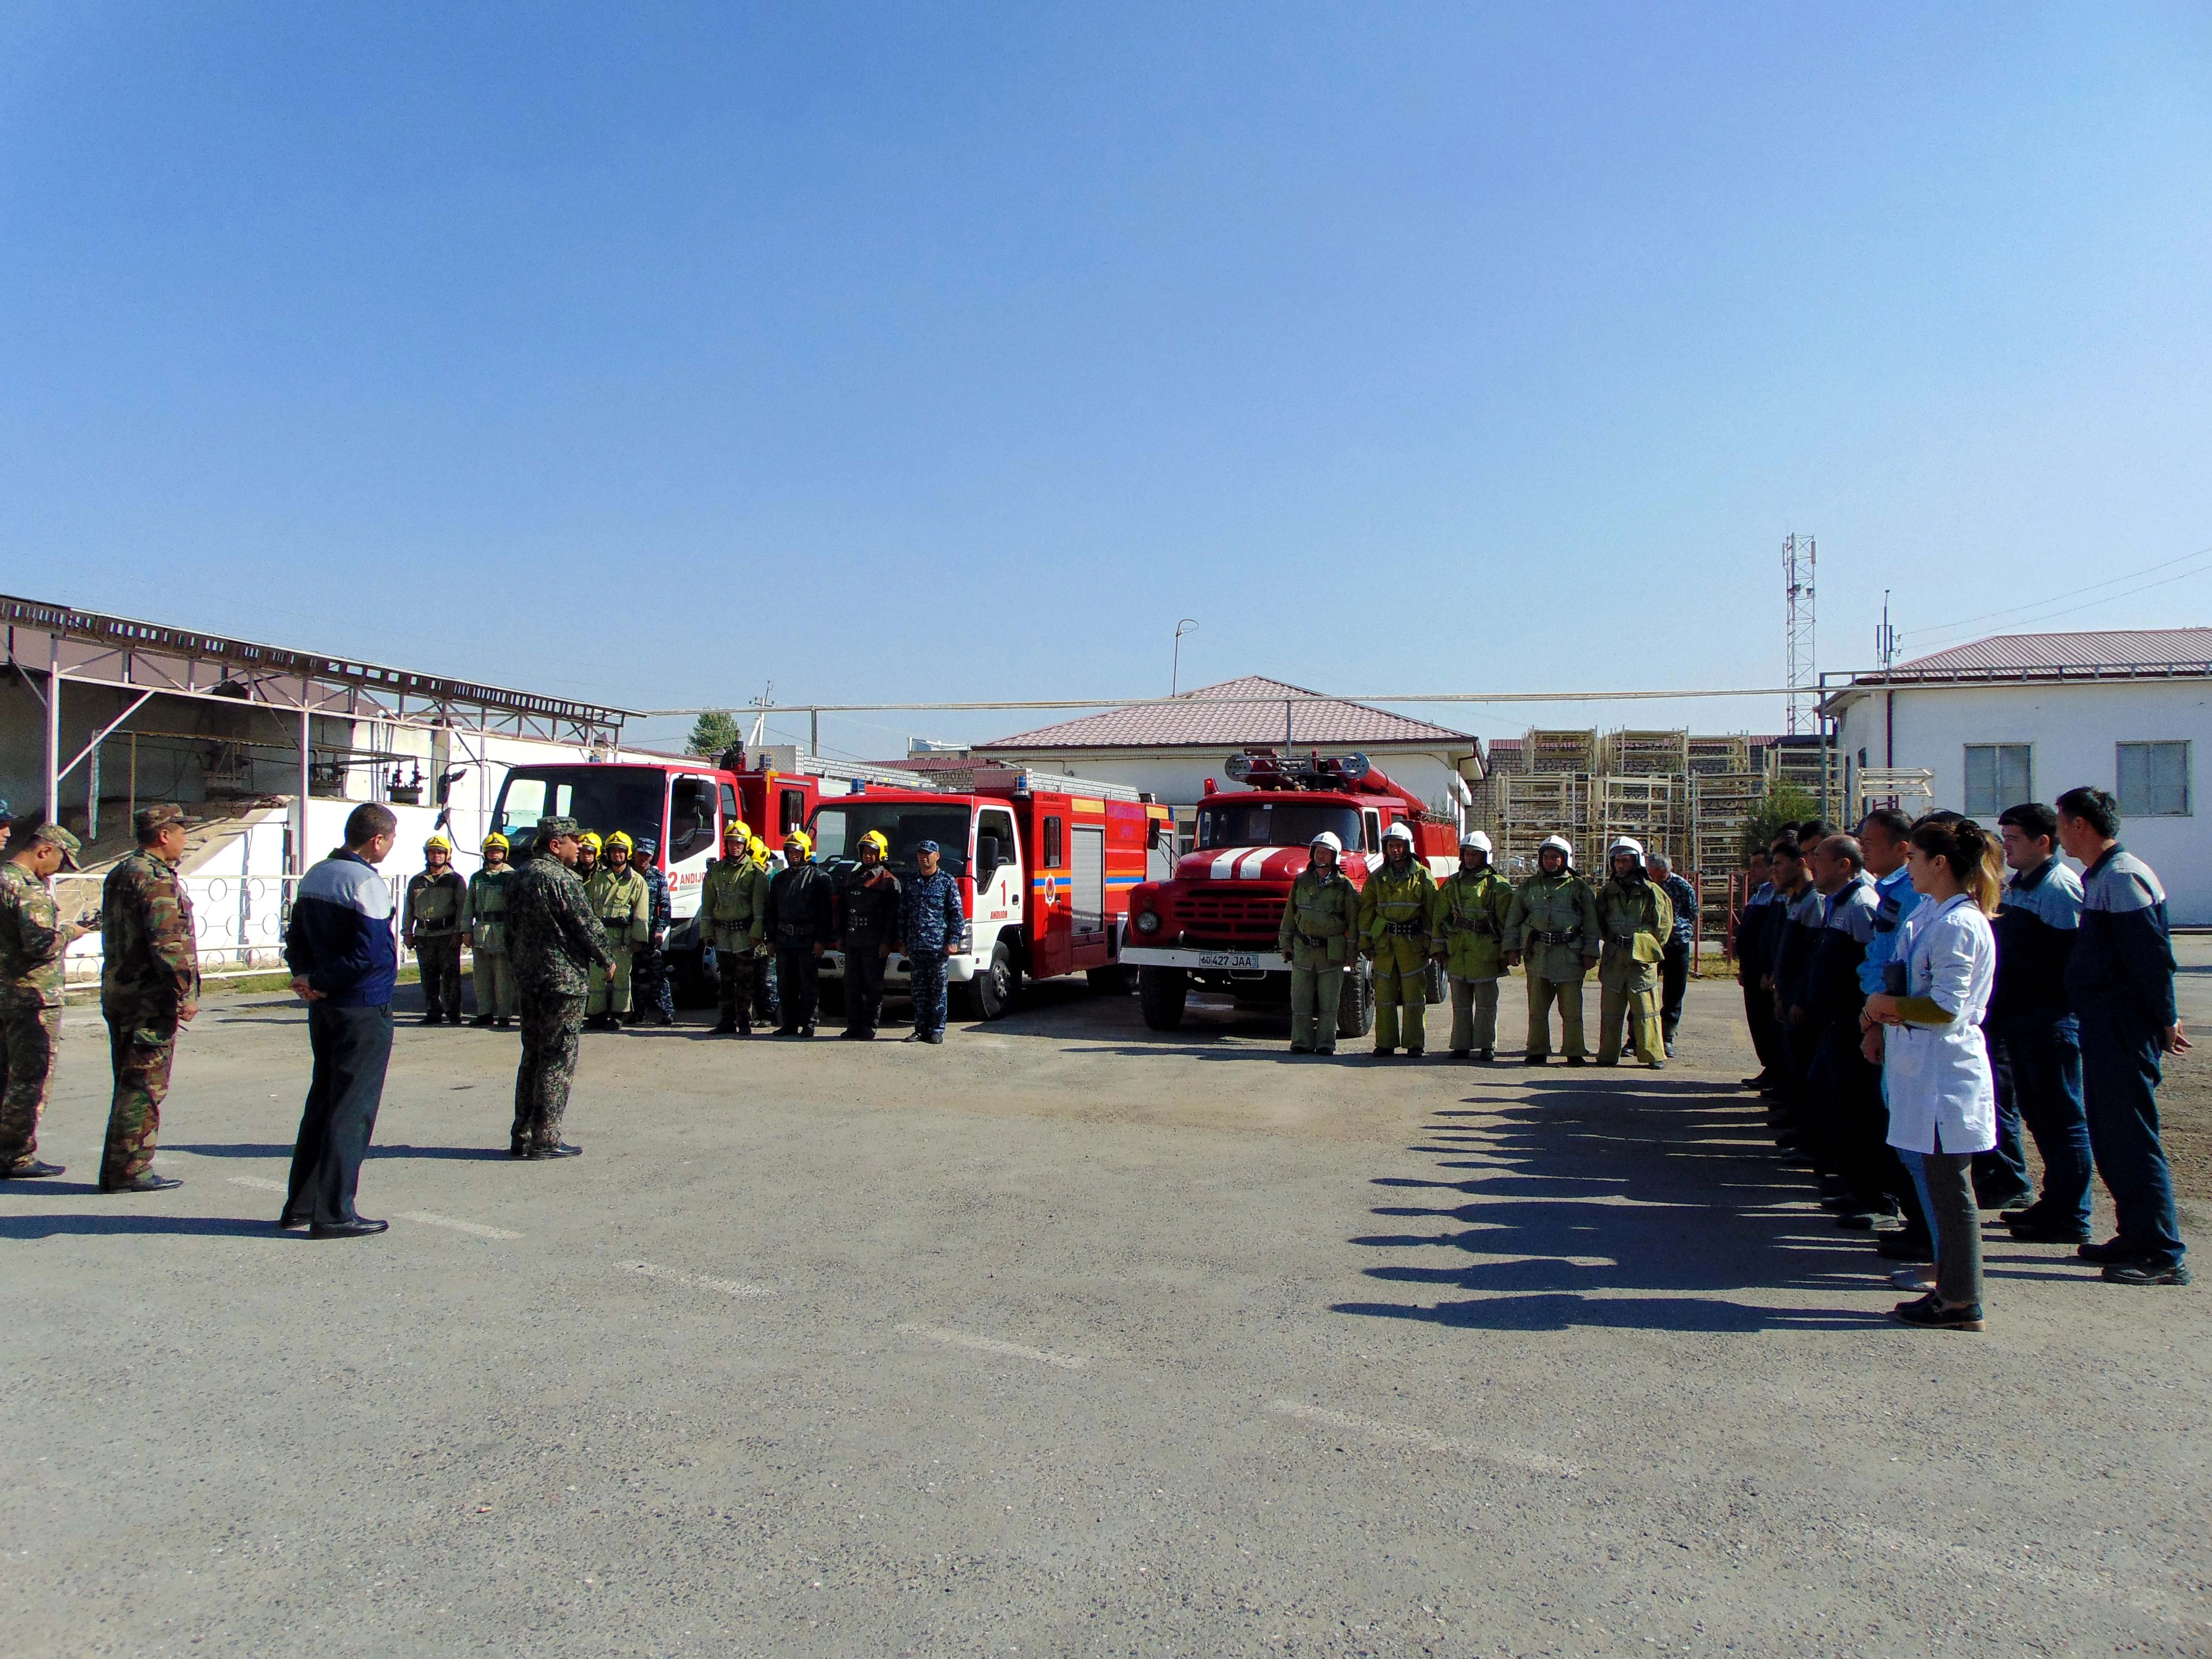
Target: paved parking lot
{"x": 1067, "y": 1337}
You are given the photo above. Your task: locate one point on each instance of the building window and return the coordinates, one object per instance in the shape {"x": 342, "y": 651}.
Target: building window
{"x": 2153, "y": 780}
{"x": 1997, "y": 776}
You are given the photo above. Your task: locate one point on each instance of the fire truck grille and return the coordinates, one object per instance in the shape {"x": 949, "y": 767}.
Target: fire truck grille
{"x": 1243, "y": 914}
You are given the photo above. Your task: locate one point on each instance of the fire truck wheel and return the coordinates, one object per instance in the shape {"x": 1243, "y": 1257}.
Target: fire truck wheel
{"x": 1111, "y": 981}
{"x": 1161, "y": 991}
{"x": 990, "y": 994}
{"x": 1355, "y": 1008}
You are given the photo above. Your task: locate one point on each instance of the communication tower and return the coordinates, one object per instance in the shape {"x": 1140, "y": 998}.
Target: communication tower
{"x": 1798, "y": 672}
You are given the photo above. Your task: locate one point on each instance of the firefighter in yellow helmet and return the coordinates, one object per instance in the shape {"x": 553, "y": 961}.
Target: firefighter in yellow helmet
{"x": 1394, "y": 909}
{"x": 487, "y": 926}
{"x": 623, "y": 904}
{"x": 802, "y": 921}
{"x": 588, "y": 854}
{"x": 733, "y": 922}
{"x": 867, "y": 921}
{"x": 1635, "y": 918}
{"x": 434, "y": 920}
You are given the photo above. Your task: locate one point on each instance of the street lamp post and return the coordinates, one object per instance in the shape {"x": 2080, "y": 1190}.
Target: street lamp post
{"x": 1187, "y": 625}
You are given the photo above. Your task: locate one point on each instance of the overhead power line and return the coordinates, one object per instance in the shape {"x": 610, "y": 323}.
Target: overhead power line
{"x": 2059, "y": 599}
{"x": 1187, "y": 700}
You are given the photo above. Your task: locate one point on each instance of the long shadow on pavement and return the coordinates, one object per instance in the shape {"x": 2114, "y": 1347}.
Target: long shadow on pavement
{"x": 272, "y": 1149}
{"x": 1616, "y": 1199}
{"x": 218, "y": 1226}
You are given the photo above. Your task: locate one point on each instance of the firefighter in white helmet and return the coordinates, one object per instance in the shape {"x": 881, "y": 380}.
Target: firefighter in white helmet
{"x": 1395, "y": 908}
{"x": 1635, "y": 917}
{"x": 1553, "y": 928}
{"x": 1469, "y": 929}
{"x": 1320, "y": 938}
{"x": 432, "y": 923}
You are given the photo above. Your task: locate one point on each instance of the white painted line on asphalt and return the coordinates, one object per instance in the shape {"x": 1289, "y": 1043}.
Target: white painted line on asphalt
{"x": 726, "y": 1287}
{"x": 474, "y": 1229}
{"x": 1068, "y": 1362}
{"x": 257, "y": 1184}
{"x": 2024, "y": 1568}
{"x": 1515, "y": 1457}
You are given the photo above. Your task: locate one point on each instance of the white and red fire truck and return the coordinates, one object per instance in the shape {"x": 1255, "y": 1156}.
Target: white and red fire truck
{"x": 1214, "y": 926}
{"x": 1045, "y": 864}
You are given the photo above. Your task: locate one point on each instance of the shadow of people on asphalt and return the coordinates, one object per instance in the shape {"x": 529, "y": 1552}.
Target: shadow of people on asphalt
{"x": 213, "y": 1226}
{"x": 1615, "y": 1199}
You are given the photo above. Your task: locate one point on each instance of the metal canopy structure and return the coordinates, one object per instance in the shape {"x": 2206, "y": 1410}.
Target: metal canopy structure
{"x": 61, "y": 645}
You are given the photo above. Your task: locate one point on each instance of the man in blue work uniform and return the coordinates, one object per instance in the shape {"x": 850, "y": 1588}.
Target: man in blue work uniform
{"x": 1751, "y": 967}
{"x": 2035, "y": 1042}
{"x": 930, "y": 927}
{"x": 1849, "y": 1127}
{"x": 651, "y": 996}
{"x": 1885, "y": 834}
{"x": 2120, "y": 980}
{"x": 1797, "y": 934}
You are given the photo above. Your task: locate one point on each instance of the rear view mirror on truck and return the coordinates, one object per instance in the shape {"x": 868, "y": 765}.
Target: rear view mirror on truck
{"x": 987, "y": 859}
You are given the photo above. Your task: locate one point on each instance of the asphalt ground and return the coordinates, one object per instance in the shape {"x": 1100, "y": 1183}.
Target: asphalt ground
{"x": 1064, "y": 1338}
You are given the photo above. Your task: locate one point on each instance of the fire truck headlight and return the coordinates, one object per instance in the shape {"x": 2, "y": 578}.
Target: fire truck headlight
{"x": 1148, "y": 922}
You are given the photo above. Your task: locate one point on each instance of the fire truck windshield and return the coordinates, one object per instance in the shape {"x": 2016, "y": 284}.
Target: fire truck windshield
{"x": 1268, "y": 824}
{"x": 602, "y": 798}
{"x": 838, "y": 829}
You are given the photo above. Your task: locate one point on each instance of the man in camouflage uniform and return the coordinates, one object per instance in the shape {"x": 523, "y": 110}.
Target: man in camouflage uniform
{"x": 32, "y": 937}
{"x": 554, "y": 941}
{"x": 1635, "y": 919}
{"x": 487, "y": 925}
{"x": 1394, "y": 930}
{"x": 149, "y": 987}
{"x": 437, "y": 919}
{"x": 1553, "y": 925}
{"x": 623, "y": 904}
{"x": 1469, "y": 928}
{"x": 733, "y": 922}
{"x": 1320, "y": 934}
{"x": 650, "y": 994}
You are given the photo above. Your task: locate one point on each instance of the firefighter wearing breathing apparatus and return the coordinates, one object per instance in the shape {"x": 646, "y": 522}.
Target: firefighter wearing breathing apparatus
{"x": 1394, "y": 908}
{"x": 1635, "y": 917}
{"x": 1553, "y": 927}
{"x": 1468, "y": 927}
{"x": 1319, "y": 937}
{"x": 623, "y": 904}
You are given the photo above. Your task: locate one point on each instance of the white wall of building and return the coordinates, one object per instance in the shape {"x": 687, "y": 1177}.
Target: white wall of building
{"x": 2072, "y": 732}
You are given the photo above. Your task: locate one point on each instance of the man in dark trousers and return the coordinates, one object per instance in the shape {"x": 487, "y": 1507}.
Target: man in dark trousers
{"x": 2035, "y": 1042}
{"x": 2120, "y": 979}
{"x": 436, "y": 922}
{"x": 867, "y": 920}
{"x": 931, "y": 927}
{"x": 801, "y": 922}
{"x": 556, "y": 944}
{"x": 1751, "y": 966}
{"x": 344, "y": 961}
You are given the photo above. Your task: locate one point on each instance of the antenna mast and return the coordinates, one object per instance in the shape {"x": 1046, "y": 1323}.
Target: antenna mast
{"x": 1798, "y": 672}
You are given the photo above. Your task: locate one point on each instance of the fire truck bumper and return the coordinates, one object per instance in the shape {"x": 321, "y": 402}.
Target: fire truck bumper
{"x": 957, "y": 970}
{"x": 1201, "y": 959}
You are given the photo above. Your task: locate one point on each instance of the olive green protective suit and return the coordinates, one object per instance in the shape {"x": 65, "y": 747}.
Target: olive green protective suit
{"x": 1635, "y": 916}
{"x": 1393, "y": 927}
{"x": 1468, "y": 925}
{"x": 623, "y": 905}
{"x": 1319, "y": 937}
{"x": 1552, "y": 923}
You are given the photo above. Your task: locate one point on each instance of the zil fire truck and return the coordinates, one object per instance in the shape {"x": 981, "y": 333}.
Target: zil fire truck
{"x": 683, "y": 803}
{"x": 1045, "y": 864}
{"x": 1214, "y": 926}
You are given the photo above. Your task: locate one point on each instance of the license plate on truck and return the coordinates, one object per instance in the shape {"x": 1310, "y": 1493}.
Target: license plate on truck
{"x": 1228, "y": 959}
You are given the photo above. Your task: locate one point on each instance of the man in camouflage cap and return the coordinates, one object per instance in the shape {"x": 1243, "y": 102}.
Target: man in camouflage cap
{"x": 149, "y": 986}
{"x": 553, "y": 940}
{"x": 32, "y": 937}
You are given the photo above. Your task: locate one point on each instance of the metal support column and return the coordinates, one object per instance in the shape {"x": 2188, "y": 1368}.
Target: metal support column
{"x": 299, "y": 825}
{"x": 53, "y": 727}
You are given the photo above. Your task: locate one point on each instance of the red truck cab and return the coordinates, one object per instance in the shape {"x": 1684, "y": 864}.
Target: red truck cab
{"x": 1215, "y": 924}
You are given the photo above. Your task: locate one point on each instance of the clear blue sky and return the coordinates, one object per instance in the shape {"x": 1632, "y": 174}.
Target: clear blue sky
{"x": 653, "y": 354}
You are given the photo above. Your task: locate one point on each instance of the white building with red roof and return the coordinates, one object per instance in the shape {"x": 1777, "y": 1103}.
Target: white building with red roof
{"x": 1175, "y": 747}
{"x": 2028, "y": 716}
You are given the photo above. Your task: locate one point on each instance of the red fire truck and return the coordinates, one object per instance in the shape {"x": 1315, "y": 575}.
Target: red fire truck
{"x": 683, "y": 803}
{"x": 1215, "y": 924}
{"x": 1045, "y": 864}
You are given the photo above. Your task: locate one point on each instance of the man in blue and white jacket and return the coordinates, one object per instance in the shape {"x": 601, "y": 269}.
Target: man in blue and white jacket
{"x": 344, "y": 959}
{"x": 2120, "y": 982}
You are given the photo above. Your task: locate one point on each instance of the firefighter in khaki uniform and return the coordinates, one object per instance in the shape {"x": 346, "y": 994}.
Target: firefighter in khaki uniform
{"x": 623, "y": 904}
{"x": 1320, "y": 935}
{"x": 734, "y": 914}
{"x": 1394, "y": 928}
{"x": 1635, "y": 917}
{"x": 1552, "y": 925}
{"x": 1469, "y": 928}
{"x": 487, "y": 925}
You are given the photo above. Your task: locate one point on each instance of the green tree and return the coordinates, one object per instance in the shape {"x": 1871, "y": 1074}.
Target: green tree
{"x": 1785, "y": 804}
{"x": 712, "y": 734}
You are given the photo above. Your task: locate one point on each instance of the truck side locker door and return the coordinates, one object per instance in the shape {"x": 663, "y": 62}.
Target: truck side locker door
{"x": 1049, "y": 952}
{"x": 1087, "y": 882}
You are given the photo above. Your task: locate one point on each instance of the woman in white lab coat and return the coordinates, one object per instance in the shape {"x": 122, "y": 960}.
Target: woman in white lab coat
{"x": 1935, "y": 1069}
